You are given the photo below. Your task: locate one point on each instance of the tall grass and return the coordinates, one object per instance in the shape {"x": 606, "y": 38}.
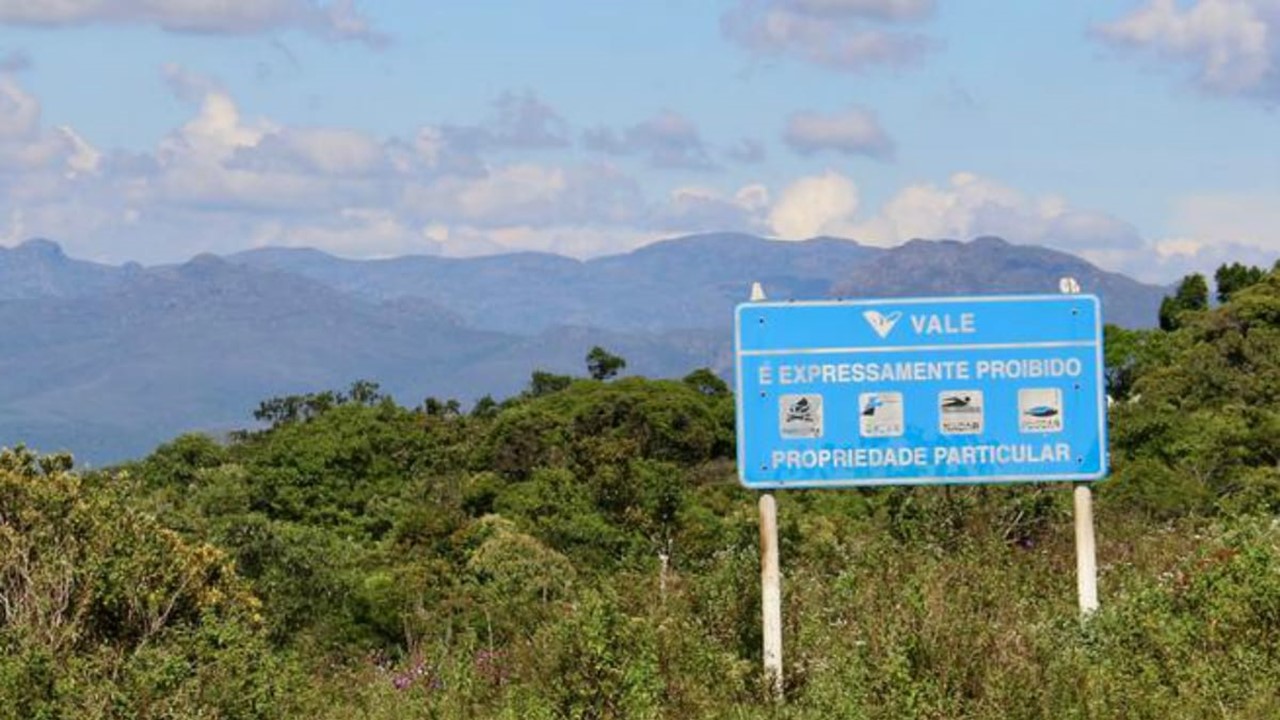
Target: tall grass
{"x": 968, "y": 624}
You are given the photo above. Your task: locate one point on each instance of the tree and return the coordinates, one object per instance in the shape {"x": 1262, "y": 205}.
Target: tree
{"x": 1192, "y": 295}
{"x": 544, "y": 383}
{"x": 707, "y": 383}
{"x": 279, "y": 410}
{"x": 435, "y": 407}
{"x": 1234, "y": 277}
{"x": 1205, "y": 431}
{"x": 1130, "y": 353}
{"x": 293, "y": 408}
{"x": 1121, "y": 361}
{"x": 485, "y": 407}
{"x": 602, "y": 364}
{"x": 365, "y": 392}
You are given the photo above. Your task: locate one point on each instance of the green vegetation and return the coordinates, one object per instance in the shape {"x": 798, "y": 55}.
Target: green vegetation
{"x": 583, "y": 550}
{"x": 602, "y": 364}
{"x": 1236, "y": 276}
{"x": 1191, "y": 296}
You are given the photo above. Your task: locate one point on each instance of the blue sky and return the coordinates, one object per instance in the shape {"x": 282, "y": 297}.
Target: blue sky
{"x": 1142, "y": 135}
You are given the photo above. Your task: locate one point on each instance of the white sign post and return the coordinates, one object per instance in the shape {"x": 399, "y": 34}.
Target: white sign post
{"x": 1086, "y": 552}
{"x": 770, "y": 577}
{"x": 1086, "y": 549}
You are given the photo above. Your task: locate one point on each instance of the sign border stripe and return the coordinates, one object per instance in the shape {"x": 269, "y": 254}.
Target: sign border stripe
{"x": 920, "y": 348}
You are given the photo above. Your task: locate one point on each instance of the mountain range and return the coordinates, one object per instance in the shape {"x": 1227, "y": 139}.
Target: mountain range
{"x": 107, "y": 360}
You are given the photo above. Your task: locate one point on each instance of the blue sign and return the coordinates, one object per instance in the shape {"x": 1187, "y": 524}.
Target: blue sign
{"x": 920, "y": 391}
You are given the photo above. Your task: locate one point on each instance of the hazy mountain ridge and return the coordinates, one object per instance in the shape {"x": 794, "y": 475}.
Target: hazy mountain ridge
{"x": 107, "y": 360}
{"x": 990, "y": 265}
{"x": 675, "y": 284}
{"x": 39, "y": 269}
{"x": 692, "y": 282}
{"x": 196, "y": 346}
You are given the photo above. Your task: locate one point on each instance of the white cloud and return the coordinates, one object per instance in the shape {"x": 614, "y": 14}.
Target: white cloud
{"x": 38, "y": 155}
{"x": 188, "y": 85}
{"x": 1210, "y": 229}
{"x": 1234, "y": 45}
{"x": 1175, "y": 257}
{"x": 360, "y": 232}
{"x": 225, "y": 179}
{"x": 441, "y": 153}
{"x": 747, "y": 151}
{"x": 878, "y": 9}
{"x": 19, "y": 110}
{"x": 693, "y": 209}
{"x": 525, "y": 120}
{"x": 855, "y": 131}
{"x": 846, "y": 35}
{"x": 337, "y": 19}
{"x": 210, "y": 162}
{"x": 520, "y": 120}
{"x": 965, "y": 207}
{"x": 819, "y": 205}
{"x": 528, "y": 194}
{"x": 216, "y": 132}
{"x": 324, "y": 151}
{"x": 346, "y": 22}
{"x": 513, "y": 194}
{"x": 669, "y": 139}
{"x": 83, "y": 158}
{"x": 1251, "y": 219}
{"x": 969, "y": 205}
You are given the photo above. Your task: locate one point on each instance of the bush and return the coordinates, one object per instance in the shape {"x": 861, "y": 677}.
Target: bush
{"x": 108, "y": 613}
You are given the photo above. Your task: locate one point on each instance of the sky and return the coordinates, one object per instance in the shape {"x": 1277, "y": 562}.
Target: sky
{"x": 1143, "y": 135}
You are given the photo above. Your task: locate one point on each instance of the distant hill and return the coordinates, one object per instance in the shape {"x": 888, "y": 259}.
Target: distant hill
{"x": 691, "y": 282}
{"x": 684, "y": 283}
{"x": 39, "y": 269}
{"x": 107, "y": 361}
{"x": 990, "y": 265}
{"x": 196, "y": 346}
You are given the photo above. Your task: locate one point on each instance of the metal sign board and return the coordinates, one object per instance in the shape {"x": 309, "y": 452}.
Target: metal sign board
{"x": 920, "y": 391}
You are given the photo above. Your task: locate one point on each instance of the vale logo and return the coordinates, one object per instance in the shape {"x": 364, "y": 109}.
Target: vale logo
{"x": 881, "y": 323}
